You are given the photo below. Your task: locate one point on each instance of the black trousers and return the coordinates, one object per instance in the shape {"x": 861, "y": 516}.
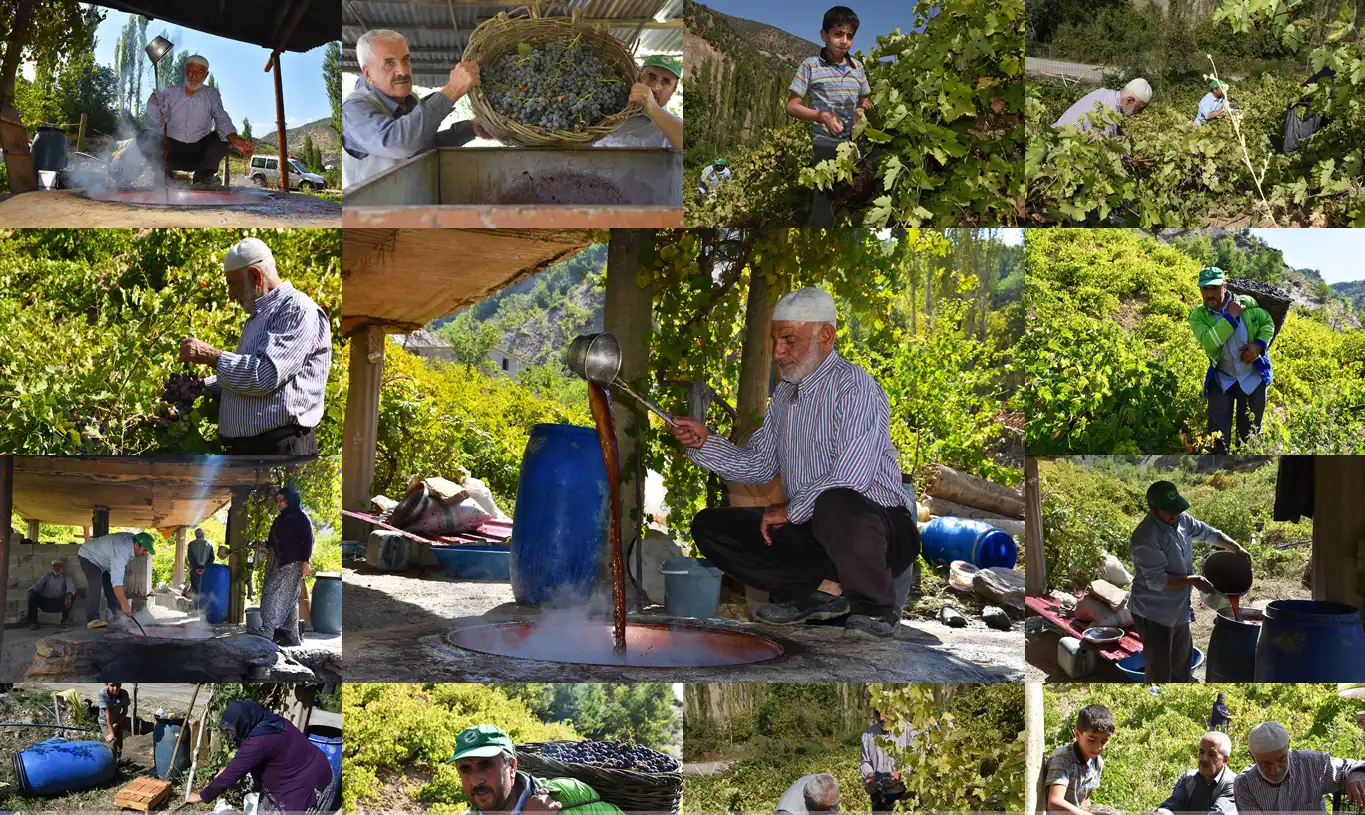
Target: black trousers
{"x": 51, "y": 605}
{"x": 203, "y": 156}
{"x": 95, "y": 578}
{"x": 849, "y": 539}
{"x": 1248, "y": 408}
{"x": 283, "y": 441}
{"x": 1167, "y": 651}
{"x": 821, "y": 210}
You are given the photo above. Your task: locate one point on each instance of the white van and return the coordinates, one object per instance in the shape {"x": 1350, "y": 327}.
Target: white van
{"x": 265, "y": 172}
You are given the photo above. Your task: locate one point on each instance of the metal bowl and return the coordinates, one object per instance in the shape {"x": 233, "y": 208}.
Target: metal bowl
{"x": 1102, "y": 635}
{"x": 158, "y": 48}
{"x": 595, "y": 357}
{"x": 1229, "y": 572}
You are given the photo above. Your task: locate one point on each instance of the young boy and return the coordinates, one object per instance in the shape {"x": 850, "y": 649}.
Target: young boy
{"x": 113, "y": 706}
{"x": 837, "y": 87}
{"x": 1073, "y": 771}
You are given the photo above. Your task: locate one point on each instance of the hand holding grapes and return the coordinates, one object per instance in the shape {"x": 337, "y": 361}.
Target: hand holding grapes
{"x": 192, "y": 350}
{"x": 463, "y": 78}
{"x": 831, "y": 123}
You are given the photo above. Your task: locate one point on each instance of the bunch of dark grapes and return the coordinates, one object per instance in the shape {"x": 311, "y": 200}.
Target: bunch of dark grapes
{"x": 182, "y": 390}
{"x": 611, "y": 755}
{"x": 562, "y": 85}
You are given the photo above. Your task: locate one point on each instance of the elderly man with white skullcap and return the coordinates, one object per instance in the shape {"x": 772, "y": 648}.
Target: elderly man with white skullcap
{"x": 832, "y": 548}
{"x": 1107, "y": 108}
{"x": 1284, "y": 780}
{"x": 198, "y": 131}
{"x": 272, "y": 387}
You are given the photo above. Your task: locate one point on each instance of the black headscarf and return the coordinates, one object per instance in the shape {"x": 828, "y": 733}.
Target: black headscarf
{"x": 293, "y": 503}
{"x": 245, "y": 719}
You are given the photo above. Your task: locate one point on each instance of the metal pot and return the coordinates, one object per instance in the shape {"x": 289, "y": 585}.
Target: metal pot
{"x": 158, "y": 48}
{"x": 597, "y": 358}
{"x": 1229, "y": 572}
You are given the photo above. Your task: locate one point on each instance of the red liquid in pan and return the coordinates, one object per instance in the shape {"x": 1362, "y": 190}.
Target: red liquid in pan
{"x": 606, "y": 436}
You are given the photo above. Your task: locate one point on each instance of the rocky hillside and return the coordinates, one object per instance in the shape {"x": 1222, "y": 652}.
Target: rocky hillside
{"x": 769, "y": 40}
{"x": 321, "y": 131}
{"x": 1353, "y": 291}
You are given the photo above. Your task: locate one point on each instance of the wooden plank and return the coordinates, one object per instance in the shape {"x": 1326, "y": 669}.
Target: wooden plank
{"x": 143, "y": 794}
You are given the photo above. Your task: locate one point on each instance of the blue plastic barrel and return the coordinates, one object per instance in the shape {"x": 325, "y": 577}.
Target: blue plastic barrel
{"x": 691, "y": 587}
{"x": 1232, "y": 647}
{"x": 49, "y": 149}
{"x": 213, "y": 592}
{"x": 327, "y": 603}
{"x": 560, "y": 521}
{"x": 164, "y": 736}
{"x": 328, "y": 740}
{"x": 977, "y": 542}
{"x": 1310, "y": 641}
{"x": 58, "y": 766}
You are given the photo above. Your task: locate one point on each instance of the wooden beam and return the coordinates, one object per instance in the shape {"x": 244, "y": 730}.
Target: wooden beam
{"x": 178, "y": 578}
{"x": 1035, "y": 569}
{"x": 236, "y": 537}
{"x": 6, "y": 512}
{"x": 1034, "y": 747}
{"x": 279, "y": 124}
{"x": 34, "y": 530}
{"x": 1338, "y": 528}
{"x": 361, "y": 428}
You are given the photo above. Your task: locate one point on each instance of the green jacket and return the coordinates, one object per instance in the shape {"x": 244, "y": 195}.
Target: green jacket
{"x": 573, "y": 795}
{"x": 1213, "y": 329}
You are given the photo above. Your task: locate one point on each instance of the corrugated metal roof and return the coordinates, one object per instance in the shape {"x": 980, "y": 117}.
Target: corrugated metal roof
{"x": 436, "y": 46}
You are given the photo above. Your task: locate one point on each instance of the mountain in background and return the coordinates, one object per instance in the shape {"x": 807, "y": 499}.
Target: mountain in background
{"x": 737, "y": 73}
{"x": 1353, "y": 290}
{"x": 321, "y": 131}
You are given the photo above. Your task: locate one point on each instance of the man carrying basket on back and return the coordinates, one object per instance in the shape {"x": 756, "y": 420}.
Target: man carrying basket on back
{"x": 486, "y": 761}
{"x": 1235, "y": 333}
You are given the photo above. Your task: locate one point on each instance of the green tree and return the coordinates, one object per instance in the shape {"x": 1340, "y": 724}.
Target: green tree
{"x": 46, "y": 30}
{"x": 177, "y": 75}
{"x": 471, "y": 339}
{"x": 246, "y": 128}
{"x": 331, "y": 77}
{"x": 309, "y": 157}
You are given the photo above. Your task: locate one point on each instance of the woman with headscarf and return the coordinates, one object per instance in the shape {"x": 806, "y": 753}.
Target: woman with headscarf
{"x": 1221, "y": 717}
{"x": 289, "y": 771}
{"x": 291, "y": 547}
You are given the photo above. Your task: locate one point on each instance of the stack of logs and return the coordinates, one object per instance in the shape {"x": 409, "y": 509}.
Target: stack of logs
{"x": 959, "y": 495}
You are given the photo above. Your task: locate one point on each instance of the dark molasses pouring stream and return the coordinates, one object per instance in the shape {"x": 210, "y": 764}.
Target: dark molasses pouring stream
{"x": 606, "y": 436}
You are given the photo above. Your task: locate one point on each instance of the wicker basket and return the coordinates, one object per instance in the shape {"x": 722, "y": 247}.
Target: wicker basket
{"x": 503, "y": 33}
{"x": 630, "y": 790}
{"x": 1277, "y": 303}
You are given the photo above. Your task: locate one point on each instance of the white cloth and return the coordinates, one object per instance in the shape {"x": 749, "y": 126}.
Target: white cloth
{"x": 807, "y": 305}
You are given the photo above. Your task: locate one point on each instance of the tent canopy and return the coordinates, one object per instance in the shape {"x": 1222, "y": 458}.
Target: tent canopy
{"x": 266, "y": 23}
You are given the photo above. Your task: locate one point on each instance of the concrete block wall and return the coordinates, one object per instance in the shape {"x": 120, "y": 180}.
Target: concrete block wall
{"x": 30, "y": 561}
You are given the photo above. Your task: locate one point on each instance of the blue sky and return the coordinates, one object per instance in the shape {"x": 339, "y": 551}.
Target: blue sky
{"x": 802, "y": 17}
{"x": 248, "y": 91}
{"x": 1337, "y": 253}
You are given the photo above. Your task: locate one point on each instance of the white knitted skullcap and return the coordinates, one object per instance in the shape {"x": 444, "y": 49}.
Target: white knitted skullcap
{"x": 197, "y": 60}
{"x": 1141, "y": 89}
{"x": 1267, "y": 737}
{"x": 249, "y": 252}
{"x": 806, "y": 306}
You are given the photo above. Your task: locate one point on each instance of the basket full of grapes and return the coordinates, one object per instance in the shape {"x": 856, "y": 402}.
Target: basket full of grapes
{"x": 549, "y": 81}
{"x": 631, "y": 776}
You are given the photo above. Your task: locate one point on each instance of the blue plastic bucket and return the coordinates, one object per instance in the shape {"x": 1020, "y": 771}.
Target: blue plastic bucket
{"x": 491, "y": 562}
{"x": 164, "y": 736}
{"x": 327, "y": 603}
{"x": 58, "y": 766}
{"x": 1310, "y": 641}
{"x": 213, "y": 592}
{"x": 560, "y": 523}
{"x": 1132, "y": 666}
{"x": 691, "y": 587}
{"x": 977, "y": 542}
{"x": 328, "y": 740}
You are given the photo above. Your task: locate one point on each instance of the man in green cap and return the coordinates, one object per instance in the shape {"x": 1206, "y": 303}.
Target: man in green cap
{"x": 486, "y": 760}
{"x": 712, "y": 175}
{"x": 1235, "y": 333}
{"x": 655, "y": 126}
{"x": 1163, "y": 558}
{"x": 104, "y": 560}
{"x": 1213, "y": 105}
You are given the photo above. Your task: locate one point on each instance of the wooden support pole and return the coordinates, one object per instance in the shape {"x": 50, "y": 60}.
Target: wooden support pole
{"x": 34, "y": 530}
{"x": 6, "y": 511}
{"x": 80, "y": 134}
{"x": 178, "y": 578}
{"x": 628, "y": 313}
{"x": 1035, "y": 560}
{"x": 1034, "y": 747}
{"x": 1338, "y": 529}
{"x": 279, "y": 123}
{"x": 236, "y": 538}
{"x": 361, "y": 427}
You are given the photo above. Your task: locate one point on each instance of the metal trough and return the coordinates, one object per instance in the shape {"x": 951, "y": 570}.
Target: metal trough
{"x": 650, "y": 645}
{"x": 512, "y": 187}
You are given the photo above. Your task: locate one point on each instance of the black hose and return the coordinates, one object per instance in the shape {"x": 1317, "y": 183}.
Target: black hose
{"x": 51, "y": 726}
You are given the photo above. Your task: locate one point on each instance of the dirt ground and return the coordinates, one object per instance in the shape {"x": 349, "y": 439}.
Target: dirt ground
{"x": 68, "y": 208}
{"x": 1040, "y": 649}
{"x": 33, "y": 703}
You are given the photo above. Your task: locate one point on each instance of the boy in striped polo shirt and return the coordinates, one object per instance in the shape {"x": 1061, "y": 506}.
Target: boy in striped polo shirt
{"x": 1073, "y": 770}
{"x": 837, "y": 87}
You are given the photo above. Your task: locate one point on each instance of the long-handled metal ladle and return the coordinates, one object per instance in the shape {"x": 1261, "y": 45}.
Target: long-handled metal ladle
{"x": 597, "y": 358}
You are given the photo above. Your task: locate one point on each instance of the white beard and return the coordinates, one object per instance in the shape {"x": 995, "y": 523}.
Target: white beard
{"x": 249, "y": 298}
{"x": 799, "y": 370}
{"x": 193, "y": 86}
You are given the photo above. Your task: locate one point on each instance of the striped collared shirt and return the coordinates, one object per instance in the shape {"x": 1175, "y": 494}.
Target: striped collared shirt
{"x": 278, "y": 376}
{"x": 1311, "y": 776}
{"x": 831, "y": 87}
{"x": 1067, "y": 767}
{"x": 837, "y": 434}
{"x": 191, "y": 118}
